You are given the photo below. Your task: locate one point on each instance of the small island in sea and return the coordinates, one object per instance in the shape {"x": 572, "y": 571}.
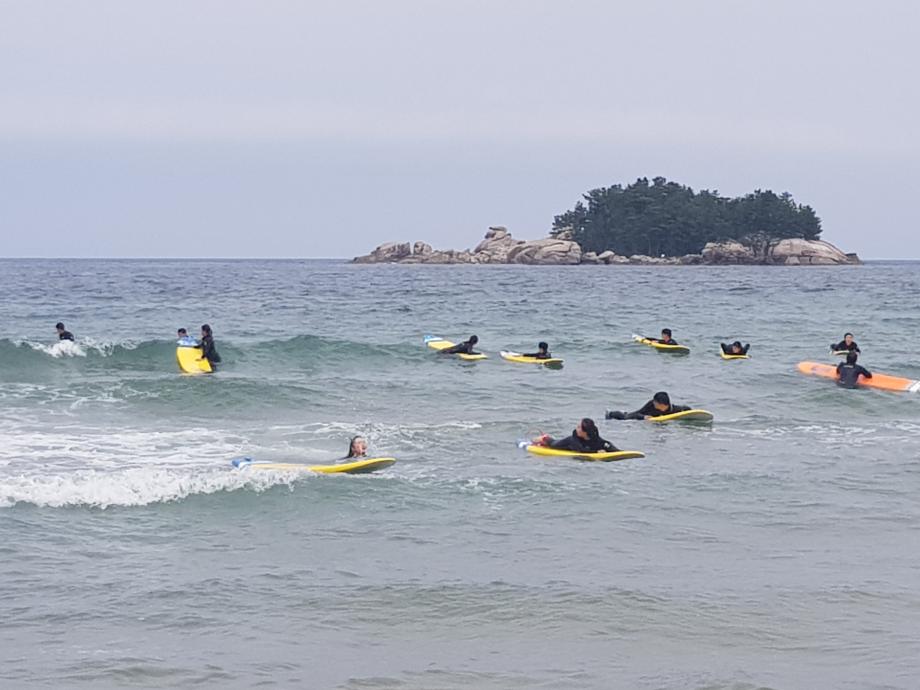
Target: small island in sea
{"x": 651, "y": 222}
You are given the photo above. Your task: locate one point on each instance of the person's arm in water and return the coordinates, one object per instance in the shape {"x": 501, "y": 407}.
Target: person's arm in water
{"x": 538, "y": 355}
{"x": 744, "y": 350}
{"x": 463, "y": 348}
{"x": 862, "y": 371}
{"x": 646, "y": 410}
{"x": 726, "y": 349}
{"x": 572, "y": 443}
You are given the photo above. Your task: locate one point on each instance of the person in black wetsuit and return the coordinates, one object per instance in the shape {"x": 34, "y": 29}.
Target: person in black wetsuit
{"x": 848, "y": 372}
{"x": 464, "y": 348}
{"x": 658, "y": 406}
{"x": 846, "y": 345}
{"x": 665, "y": 338}
{"x": 63, "y": 333}
{"x": 736, "y": 348}
{"x": 585, "y": 439}
{"x": 357, "y": 448}
{"x": 208, "y": 351}
{"x": 542, "y": 353}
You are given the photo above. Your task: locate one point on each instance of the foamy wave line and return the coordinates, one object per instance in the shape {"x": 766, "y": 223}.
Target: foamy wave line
{"x": 80, "y": 348}
{"x": 131, "y": 487}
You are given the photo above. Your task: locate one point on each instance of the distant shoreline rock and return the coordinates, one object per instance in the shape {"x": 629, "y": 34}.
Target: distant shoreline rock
{"x": 499, "y": 247}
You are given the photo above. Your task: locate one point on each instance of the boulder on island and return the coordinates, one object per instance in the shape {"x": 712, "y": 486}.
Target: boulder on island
{"x": 549, "y": 252}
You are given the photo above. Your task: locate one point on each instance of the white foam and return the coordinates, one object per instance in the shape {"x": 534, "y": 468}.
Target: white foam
{"x": 131, "y": 487}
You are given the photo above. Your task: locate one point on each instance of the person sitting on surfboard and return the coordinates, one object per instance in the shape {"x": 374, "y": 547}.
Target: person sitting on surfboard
{"x": 658, "y": 406}
{"x": 464, "y": 348}
{"x": 208, "y": 351}
{"x": 184, "y": 339}
{"x": 63, "y": 333}
{"x": 585, "y": 439}
{"x": 665, "y": 338}
{"x": 846, "y": 345}
{"x": 848, "y": 372}
{"x": 357, "y": 448}
{"x": 736, "y": 348}
{"x": 543, "y": 352}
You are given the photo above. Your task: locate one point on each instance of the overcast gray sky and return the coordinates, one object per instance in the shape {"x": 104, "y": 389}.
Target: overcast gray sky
{"x": 315, "y": 129}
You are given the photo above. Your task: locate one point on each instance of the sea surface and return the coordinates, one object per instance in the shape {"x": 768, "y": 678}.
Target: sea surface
{"x": 777, "y": 548}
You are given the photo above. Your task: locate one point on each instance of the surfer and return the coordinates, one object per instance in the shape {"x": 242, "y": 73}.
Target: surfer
{"x": 184, "y": 339}
{"x": 846, "y": 345}
{"x": 542, "y": 352}
{"x": 464, "y": 348}
{"x": 658, "y": 406}
{"x": 848, "y": 372}
{"x": 357, "y": 448}
{"x": 584, "y": 439}
{"x": 665, "y": 338}
{"x": 736, "y": 348}
{"x": 63, "y": 333}
{"x": 208, "y": 351}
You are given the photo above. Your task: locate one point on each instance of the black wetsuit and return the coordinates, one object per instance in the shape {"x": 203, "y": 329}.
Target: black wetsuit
{"x": 65, "y": 335}
{"x": 464, "y": 348}
{"x": 539, "y": 355}
{"x": 843, "y": 347}
{"x": 664, "y": 342}
{"x": 727, "y": 349}
{"x": 848, "y": 374}
{"x": 208, "y": 351}
{"x": 579, "y": 445}
{"x": 648, "y": 410}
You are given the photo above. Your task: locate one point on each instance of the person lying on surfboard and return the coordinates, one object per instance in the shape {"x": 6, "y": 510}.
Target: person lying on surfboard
{"x": 542, "y": 352}
{"x": 585, "y": 439}
{"x": 208, "y": 351}
{"x": 736, "y": 348}
{"x": 357, "y": 448}
{"x": 464, "y": 348}
{"x": 63, "y": 333}
{"x": 658, "y": 406}
{"x": 665, "y": 338}
{"x": 184, "y": 339}
{"x": 846, "y": 345}
{"x": 848, "y": 372}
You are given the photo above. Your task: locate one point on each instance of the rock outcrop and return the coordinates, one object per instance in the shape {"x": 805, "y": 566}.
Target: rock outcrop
{"x": 499, "y": 247}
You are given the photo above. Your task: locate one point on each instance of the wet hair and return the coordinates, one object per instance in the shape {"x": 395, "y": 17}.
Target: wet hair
{"x": 351, "y": 446}
{"x": 666, "y": 331}
{"x": 542, "y": 346}
{"x": 182, "y": 331}
{"x": 59, "y": 325}
{"x": 662, "y": 398}
{"x": 852, "y": 357}
{"x": 590, "y": 428}
{"x": 206, "y": 329}
{"x": 737, "y": 343}
{"x": 474, "y": 339}
{"x": 847, "y": 334}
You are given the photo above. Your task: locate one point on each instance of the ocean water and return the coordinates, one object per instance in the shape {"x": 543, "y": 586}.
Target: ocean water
{"x": 778, "y": 548}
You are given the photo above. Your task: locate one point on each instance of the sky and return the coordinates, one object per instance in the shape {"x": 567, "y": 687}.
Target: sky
{"x": 322, "y": 129}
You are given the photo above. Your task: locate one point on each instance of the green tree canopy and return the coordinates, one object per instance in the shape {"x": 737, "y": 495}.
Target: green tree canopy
{"x": 661, "y": 217}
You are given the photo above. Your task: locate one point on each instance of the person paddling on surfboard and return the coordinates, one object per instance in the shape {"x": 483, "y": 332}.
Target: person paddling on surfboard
{"x": 665, "y": 338}
{"x": 585, "y": 439}
{"x": 848, "y": 373}
{"x": 464, "y": 348}
{"x": 542, "y": 352}
{"x": 846, "y": 345}
{"x": 63, "y": 333}
{"x": 183, "y": 339}
{"x": 736, "y": 348}
{"x": 357, "y": 448}
{"x": 658, "y": 406}
{"x": 208, "y": 351}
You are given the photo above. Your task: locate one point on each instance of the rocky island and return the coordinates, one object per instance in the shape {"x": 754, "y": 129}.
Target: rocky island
{"x": 675, "y": 225}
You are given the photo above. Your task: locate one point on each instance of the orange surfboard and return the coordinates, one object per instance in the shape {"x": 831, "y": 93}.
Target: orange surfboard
{"x": 882, "y": 381}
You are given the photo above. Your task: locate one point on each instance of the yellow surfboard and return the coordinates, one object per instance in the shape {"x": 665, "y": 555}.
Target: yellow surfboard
{"x": 663, "y": 347}
{"x": 685, "y": 416}
{"x": 544, "y": 451}
{"x": 190, "y": 361}
{"x": 436, "y": 343}
{"x": 725, "y": 355}
{"x": 521, "y": 359}
{"x": 355, "y": 467}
